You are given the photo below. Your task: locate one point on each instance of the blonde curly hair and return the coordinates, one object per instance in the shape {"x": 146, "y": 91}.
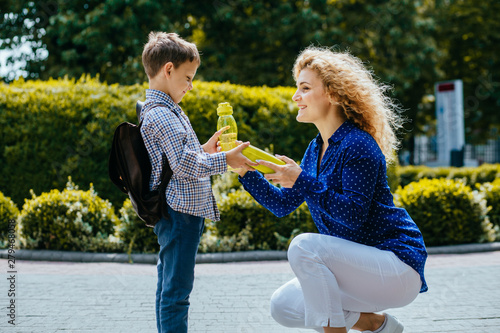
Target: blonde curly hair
{"x": 362, "y": 99}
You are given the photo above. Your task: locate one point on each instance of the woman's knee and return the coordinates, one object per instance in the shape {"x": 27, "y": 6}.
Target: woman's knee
{"x": 277, "y": 308}
{"x": 301, "y": 248}
{"x": 286, "y": 307}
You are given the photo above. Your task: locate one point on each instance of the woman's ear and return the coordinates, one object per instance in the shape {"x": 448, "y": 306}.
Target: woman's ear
{"x": 333, "y": 100}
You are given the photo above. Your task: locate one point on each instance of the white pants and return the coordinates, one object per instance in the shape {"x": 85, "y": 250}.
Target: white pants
{"x": 337, "y": 279}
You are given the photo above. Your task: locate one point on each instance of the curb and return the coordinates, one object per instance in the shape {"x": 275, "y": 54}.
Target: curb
{"x": 465, "y": 248}
{"x": 205, "y": 258}
{"x": 201, "y": 258}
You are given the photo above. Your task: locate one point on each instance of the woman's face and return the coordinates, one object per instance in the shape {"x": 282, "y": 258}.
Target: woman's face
{"x": 311, "y": 98}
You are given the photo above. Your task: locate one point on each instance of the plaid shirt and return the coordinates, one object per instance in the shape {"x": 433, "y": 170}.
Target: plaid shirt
{"x": 167, "y": 133}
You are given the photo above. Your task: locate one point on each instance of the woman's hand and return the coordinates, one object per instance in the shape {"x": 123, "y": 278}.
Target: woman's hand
{"x": 211, "y": 145}
{"x": 285, "y": 175}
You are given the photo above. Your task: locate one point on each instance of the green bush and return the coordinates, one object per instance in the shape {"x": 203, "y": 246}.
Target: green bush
{"x": 8, "y": 212}
{"x": 393, "y": 175}
{"x": 134, "y": 233}
{"x": 56, "y": 128}
{"x": 446, "y": 211}
{"x": 225, "y": 183}
{"x": 492, "y": 195}
{"x": 265, "y": 116}
{"x": 211, "y": 243}
{"x": 59, "y": 128}
{"x": 482, "y": 174}
{"x": 245, "y": 223}
{"x": 72, "y": 220}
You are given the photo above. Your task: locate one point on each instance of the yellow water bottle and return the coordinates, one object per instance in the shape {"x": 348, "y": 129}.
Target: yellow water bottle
{"x": 228, "y": 137}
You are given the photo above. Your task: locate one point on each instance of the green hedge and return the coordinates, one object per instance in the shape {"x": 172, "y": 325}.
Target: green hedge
{"x": 71, "y": 220}
{"x": 133, "y": 233}
{"x": 239, "y": 211}
{"x": 491, "y": 193}
{"x": 246, "y": 224}
{"x": 446, "y": 211}
{"x": 59, "y": 128}
{"x": 8, "y": 212}
{"x": 479, "y": 175}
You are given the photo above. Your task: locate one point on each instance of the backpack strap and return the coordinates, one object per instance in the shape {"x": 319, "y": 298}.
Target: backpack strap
{"x": 138, "y": 109}
{"x": 166, "y": 171}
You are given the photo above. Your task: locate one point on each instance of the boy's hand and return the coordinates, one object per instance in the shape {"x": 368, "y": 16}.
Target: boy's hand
{"x": 236, "y": 160}
{"x": 211, "y": 145}
{"x": 240, "y": 172}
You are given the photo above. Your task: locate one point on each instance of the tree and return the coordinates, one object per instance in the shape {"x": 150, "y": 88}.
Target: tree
{"x": 22, "y": 23}
{"x": 409, "y": 44}
{"x": 102, "y": 38}
{"x": 256, "y": 42}
{"x": 469, "y": 36}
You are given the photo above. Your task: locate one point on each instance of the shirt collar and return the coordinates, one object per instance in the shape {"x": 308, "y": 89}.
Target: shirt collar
{"x": 159, "y": 97}
{"x": 339, "y": 134}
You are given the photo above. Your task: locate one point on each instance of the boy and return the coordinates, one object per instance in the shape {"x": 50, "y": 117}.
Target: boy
{"x": 170, "y": 64}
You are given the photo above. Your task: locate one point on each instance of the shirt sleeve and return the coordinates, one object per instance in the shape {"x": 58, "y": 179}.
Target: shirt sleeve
{"x": 350, "y": 204}
{"x": 279, "y": 201}
{"x": 185, "y": 154}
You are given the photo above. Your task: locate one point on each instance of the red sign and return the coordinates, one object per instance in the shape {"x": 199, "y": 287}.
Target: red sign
{"x": 446, "y": 87}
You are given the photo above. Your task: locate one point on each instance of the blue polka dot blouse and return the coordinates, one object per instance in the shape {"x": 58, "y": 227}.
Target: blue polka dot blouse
{"x": 348, "y": 196}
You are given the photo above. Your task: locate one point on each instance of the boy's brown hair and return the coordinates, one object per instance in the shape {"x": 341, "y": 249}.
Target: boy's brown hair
{"x": 162, "y": 48}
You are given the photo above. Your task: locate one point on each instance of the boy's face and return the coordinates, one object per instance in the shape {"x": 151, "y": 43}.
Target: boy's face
{"x": 180, "y": 79}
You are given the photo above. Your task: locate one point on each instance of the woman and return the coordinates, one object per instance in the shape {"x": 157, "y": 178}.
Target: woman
{"x": 369, "y": 255}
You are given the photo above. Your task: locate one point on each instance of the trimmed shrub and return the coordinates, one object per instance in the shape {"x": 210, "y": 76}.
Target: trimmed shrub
{"x": 59, "y": 128}
{"x": 446, "y": 211}
{"x": 393, "y": 175}
{"x": 211, "y": 243}
{"x": 482, "y": 174}
{"x": 413, "y": 173}
{"x": 133, "y": 232}
{"x": 491, "y": 193}
{"x": 225, "y": 183}
{"x": 72, "y": 220}
{"x": 8, "y": 212}
{"x": 265, "y": 116}
{"x": 245, "y": 223}
{"x": 64, "y": 128}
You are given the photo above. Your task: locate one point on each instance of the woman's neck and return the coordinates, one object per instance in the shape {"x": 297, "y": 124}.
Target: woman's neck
{"x": 328, "y": 125}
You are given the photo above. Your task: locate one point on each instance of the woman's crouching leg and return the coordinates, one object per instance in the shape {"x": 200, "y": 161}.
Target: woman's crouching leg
{"x": 287, "y": 305}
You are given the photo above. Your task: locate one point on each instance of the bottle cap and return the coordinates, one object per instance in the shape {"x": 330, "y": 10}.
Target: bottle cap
{"x": 224, "y": 109}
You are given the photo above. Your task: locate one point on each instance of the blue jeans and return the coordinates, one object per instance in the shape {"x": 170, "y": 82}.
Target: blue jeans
{"x": 179, "y": 237}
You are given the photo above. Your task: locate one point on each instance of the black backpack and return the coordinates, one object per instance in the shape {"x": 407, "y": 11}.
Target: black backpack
{"x": 130, "y": 170}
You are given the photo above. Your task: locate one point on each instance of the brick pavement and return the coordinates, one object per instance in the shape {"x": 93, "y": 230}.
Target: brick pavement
{"x": 464, "y": 296}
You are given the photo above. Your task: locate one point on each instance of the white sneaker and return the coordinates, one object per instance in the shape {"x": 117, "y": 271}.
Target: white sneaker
{"x": 392, "y": 325}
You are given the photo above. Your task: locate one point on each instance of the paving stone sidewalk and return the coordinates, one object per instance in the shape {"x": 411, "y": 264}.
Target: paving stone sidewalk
{"x": 464, "y": 296}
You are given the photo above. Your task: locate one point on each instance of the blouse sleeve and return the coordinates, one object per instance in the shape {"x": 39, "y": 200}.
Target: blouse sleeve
{"x": 279, "y": 201}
